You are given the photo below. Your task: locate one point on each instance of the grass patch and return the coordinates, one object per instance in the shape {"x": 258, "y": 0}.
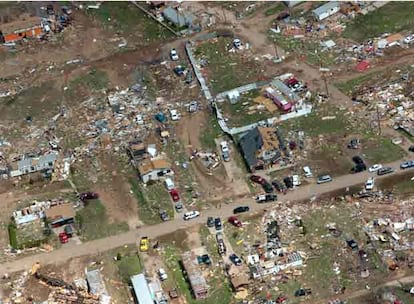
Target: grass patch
{"x": 93, "y": 222}
{"x": 210, "y": 132}
{"x": 382, "y": 150}
{"x": 351, "y": 86}
{"x": 392, "y": 17}
{"x": 279, "y": 7}
{"x": 130, "y": 20}
{"x": 94, "y": 80}
{"x": 227, "y": 70}
{"x": 238, "y": 114}
{"x": 150, "y": 200}
{"x": 13, "y": 235}
{"x": 128, "y": 265}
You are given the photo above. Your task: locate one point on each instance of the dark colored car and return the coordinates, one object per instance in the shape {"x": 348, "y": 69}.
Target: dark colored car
{"x": 279, "y": 186}
{"x": 267, "y": 187}
{"x": 241, "y": 209}
{"x": 363, "y": 255}
{"x": 84, "y": 196}
{"x": 217, "y": 223}
{"x": 411, "y": 149}
{"x": 179, "y": 70}
{"x": 357, "y": 160}
{"x": 354, "y": 144}
{"x": 257, "y": 179}
{"x": 235, "y": 221}
{"x": 210, "y": 222}
{"x": 359, "y": 168}
{"x": 235, "y": 259}
{"x": 385, "y": 170}
{"x": 303, "y": 292}
{"x": 164, "y": 215}
{"x": 352, "y": 244}
{"x": 288, "y": 182}
{"x": 204, "y": 259}
{"x": 263, "y": 198}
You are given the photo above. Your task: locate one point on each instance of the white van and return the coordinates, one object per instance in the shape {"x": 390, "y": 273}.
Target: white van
{"x": 169, "y": 184}
{"x": 190, "y": 215}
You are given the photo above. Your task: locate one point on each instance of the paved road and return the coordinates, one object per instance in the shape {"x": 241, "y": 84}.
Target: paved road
{"x": 89, "y": 248}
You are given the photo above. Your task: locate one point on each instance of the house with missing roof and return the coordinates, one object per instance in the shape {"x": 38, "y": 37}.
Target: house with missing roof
{"x": 31, "y": 164}
{"x": 260, "y": 148}
{"x": 154, "y": 169}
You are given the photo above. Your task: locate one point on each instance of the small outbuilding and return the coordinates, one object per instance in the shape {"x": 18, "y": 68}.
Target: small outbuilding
{"x": 326, "y": 10}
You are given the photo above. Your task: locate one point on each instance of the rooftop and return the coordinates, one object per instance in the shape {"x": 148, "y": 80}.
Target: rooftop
{"x": 326, "y": 7}
{"x": 63, "y": 210}
{"x": 141, "y": 290}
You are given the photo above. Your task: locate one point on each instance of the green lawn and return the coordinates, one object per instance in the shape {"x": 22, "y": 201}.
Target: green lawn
{"x": 237, "y": 114}
{"x": 351, "y": 86}
{"x": 392, "y": 17}
{"x": 129, "y": 265}
{"x": 210, "y": 132}
{"x": 279, "y": 7}
{"x": 381, "y": 150}
{"x": 150, "y": 200}
{"x": 226, "y": 70}
{"x": 128, "y": 19}
{"x": 94, "y": 222}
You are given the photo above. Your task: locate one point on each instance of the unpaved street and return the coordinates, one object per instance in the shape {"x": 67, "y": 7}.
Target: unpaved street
{"x": 101, "y": 245}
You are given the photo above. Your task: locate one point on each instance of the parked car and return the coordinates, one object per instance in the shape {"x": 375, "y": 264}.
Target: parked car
{"x": 179, "y": 70}
{"x": 174, "y": 55}
{"x": 307, "y": 171}
{"x": 210, "y": 222}
{"x": 352, "y": 244}
{"x": 241, "y": 209}
{"x": 411, "y": 148}
{"x": 144, "y": 244}
{"x": 357, "y": 160}
{"x": 178, "y": 206}
{"x": 84, "y": 196}
{"x": 204, "y": 259}
{"x": 217, "y": 223}
{"x": 162, "y": 274}
{"x": 296, "y": 180}
{"x": 164, "y": 215}
{"x": 225, "y": 151}
{"x": 221, "y": 247}
{"x": 53, "y": 145}
{"x": 324, "y": 179}
{"x": 174, "y": 115}
{"x": 407, "y": 164}
{"x": 354, "y": 143}
{"x": 385, "y": 170}
{"x": 237, "y": 43}
{"x": 63, "y": 237}
{"x": 190, "y": 215}
{"x": 266, "y": 198}
{"x": 173, "y": 294}
{"x": 267, "y": 187}
{"x": 409, "y": 39}
{"x": 359, "y": 168}
{"x": 235, "y": 259}
{"x": 288, "y": 182}
{"x": 175, "y": 195}
{"x": 303, "y": 292}
{"x": 363, "y": 255}
{"x": 279, "y": 186}
{"x": 235, "y": 221}
{"x": 369, "y": 185}
{"x": 375, "y": 168}
{"x": 257, "y": 179}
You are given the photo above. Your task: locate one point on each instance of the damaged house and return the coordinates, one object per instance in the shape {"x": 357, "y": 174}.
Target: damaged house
{"x": 195, "y": 276}
{"x": 153, "y": 169}
{"x": 32, "y": 164}
{"x": 260, "y": 148}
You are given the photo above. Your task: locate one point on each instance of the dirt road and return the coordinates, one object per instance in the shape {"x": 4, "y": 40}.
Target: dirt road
{"x": 97, "y": 246}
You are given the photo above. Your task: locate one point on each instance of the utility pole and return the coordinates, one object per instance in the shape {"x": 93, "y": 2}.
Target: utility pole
{"x": 378, "y": 121}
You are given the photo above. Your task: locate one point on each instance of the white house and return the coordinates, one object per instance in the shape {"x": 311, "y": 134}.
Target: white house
{"x": 326, "y": 10}
{"x": 153, "y": 169}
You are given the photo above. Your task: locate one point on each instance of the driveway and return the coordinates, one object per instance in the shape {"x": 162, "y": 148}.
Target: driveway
{"x": 90, "y": 248}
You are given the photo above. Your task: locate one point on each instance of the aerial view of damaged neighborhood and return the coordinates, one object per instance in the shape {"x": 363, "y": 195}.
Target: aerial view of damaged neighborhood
{"x": 207, "y": 152}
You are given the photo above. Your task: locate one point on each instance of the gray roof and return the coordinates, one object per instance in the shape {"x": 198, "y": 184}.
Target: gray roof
{"x": 293, "y": 97}
{"x": 250, "y": 143}
{"x": 43, "y": 161}
{"x": 178, "y": 18}
{"x": 325, "y": 8}
{"x": 141, "y": 290}
{"x": 96, "y": 283}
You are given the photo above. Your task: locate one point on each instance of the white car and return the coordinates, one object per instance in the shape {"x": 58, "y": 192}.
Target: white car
{"x": 190, "y": 215}
{"x": 237, "y": 43}
{"x": 307, "y": 171}
{"x": 369, "y": 185}
{"x": 162, "y": 274}
{"x": 225, "y": 150}
{"x": 296, "y": 180}
{"x": 139, "y": 119}
{"x": 174, "y": 55}
{"x": 409, "y": 39}
{"x": 174, "y": 115}
{"x": 375, "y": 168}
